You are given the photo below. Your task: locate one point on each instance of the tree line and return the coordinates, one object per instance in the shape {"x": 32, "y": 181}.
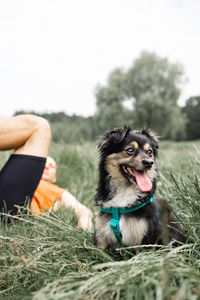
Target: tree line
{"x": 144, "y": 95}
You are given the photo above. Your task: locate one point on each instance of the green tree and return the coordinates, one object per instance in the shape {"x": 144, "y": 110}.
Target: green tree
{"x": 152, "y": 84}
{"x": 110, "y": 109}
{"x": 154, "y": 75}
{"x": 192, "y": 111}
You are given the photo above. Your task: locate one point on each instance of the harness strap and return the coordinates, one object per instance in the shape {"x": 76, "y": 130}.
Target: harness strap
{"x": 114, "y": 222}
{"x": 117, "y": 211}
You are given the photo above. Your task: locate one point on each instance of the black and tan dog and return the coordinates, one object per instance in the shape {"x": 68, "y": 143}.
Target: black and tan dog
{"x": 129, "y": 213}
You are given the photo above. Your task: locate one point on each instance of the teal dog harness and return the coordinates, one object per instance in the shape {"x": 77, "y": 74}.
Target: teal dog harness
{"x": 116, "y": 213}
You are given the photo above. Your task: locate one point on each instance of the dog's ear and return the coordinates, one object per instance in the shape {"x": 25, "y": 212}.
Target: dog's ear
{"x": 152, "y": 136}
{"x": 115, "y": 136}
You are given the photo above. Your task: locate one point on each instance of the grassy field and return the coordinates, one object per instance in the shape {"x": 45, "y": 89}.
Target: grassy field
{"x": 47, "y": 257}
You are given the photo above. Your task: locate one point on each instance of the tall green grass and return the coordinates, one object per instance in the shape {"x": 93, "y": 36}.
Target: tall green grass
{"x": 47, "y": 257}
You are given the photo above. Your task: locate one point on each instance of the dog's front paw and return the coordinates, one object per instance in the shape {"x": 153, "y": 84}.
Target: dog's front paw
{"x": 102, "y": 246}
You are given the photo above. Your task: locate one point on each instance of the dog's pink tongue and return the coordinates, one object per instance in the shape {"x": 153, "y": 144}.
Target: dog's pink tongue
{"x": 143, "y": 181}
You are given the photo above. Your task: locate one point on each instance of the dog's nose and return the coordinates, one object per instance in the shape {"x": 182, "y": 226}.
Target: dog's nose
{"x": 147, "y": 163}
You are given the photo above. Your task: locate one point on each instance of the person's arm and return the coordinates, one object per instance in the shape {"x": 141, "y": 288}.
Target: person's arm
{"x": 25, "y": 134}
{"x": 83, "y": 213}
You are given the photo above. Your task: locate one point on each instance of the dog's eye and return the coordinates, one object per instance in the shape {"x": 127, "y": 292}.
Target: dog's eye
{"x": 130, "y": 151}
{"x": 150, "y": 152}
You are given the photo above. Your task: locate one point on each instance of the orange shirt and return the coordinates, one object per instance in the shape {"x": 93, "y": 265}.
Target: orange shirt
{"x": 45, "y": 196}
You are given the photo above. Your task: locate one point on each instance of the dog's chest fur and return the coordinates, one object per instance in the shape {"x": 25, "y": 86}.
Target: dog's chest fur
{"x": 132, "y": 230}
{"x": 133, "y": 226}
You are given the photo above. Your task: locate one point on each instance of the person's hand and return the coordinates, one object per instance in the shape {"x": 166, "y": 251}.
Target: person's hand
{"x": 85, "y": 216}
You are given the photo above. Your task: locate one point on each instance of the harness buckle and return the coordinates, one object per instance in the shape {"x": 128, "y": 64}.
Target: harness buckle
{"x": 114, "y": 224}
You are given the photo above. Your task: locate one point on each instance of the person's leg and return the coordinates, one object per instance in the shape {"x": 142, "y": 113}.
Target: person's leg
{"x": 26, "y": 134}
{"x": 29, "y": 136}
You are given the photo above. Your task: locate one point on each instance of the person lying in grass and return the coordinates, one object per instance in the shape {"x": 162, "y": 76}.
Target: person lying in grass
{"x": 29, "y": 137}
{"x": 50, "y": 197}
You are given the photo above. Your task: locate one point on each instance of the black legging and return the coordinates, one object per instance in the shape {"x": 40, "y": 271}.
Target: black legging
{"x": 19, "y": 179}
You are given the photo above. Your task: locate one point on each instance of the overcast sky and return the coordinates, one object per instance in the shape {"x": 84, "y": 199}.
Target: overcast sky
{"x": 54, "y": 52}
